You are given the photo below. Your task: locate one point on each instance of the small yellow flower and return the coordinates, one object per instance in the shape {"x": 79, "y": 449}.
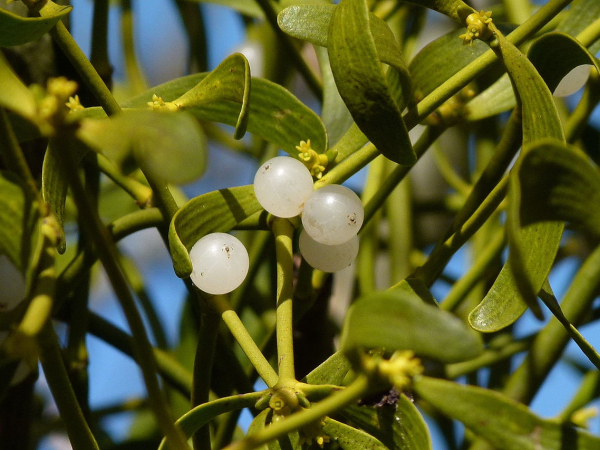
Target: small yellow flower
{"x": 158, "y": 104}
{"x": 315, "y": 162}
{"x": 478, "y": 27}
{"x": 74, "y": 104}
{"x": 401, "y": 368}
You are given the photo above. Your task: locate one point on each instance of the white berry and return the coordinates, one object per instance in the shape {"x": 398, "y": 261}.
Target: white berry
{"x": 282, "y": 185}
{"x": 333, "y": 215}
{"x": 328, "y": 258}
{"x": 220, "y": 263}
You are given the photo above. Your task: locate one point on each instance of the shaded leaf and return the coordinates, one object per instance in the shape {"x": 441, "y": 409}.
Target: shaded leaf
{"x": 409, "y": 324}
{"x": 331, "y": 371}
{"x": 17, "y": 30}
{"x": 19, "y": 225}
{"x": 558, "y": 182}
{"x": 54, "y": 192}
{"x": 230, "y": 81}
{"x": 14, "y": 95}
{"x": 504, "y": 423}
{"x": 349, "y": 438}
{"x": 217, "y": 211}
{"x": 401, "y": 427}
{"x": 580, "y": 15}
{"x": 359, "y": 78}
{"x": 199, "y": 416}
{"x": 171, "y": 146}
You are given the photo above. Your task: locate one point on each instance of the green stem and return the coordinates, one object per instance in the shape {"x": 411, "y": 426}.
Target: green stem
{"x": 348, "y": 166}
{"x": 551, "y": 341}
{"x": 284, "y": 231}
{"x": 463, "y": 286}
{"x": 88, "y": 74}
{"x": 590, "y": 35}
{"x": 333, "y": 403}
{"x": 109, "y": 257}
{"x": 517, "y": 11}
{"x": 99, "y": 54}
{"x": 311, "y": 80}
{"x": 133, "y": 70}
{"x": 588, "y": 391}
{"x": 203, "y": 366}
{"x": 56, "y": 374}
{"x": 220, "y": 304}
{"x": 138, "y": 191}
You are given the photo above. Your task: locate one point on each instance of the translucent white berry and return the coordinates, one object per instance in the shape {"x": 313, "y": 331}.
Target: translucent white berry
{"x": 282, "y": 185}
{"x": 328, "y": 258}
{"x": 220, "y": 263}
{"x": 333, "y": 215}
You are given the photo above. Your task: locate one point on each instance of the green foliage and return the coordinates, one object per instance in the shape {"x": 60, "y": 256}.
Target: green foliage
{"x": 401, "y": 339}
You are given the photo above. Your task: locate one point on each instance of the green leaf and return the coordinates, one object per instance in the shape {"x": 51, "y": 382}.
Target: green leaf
{"x": 19, "y": 225}
{"x": 199, "y": 416}
{"x": 409, "y": 324}
{"x": 349, "y": 438}
{"x": 258, "y": 424}
{"x": 554, "y": 55}
{"x": 170, "y": 146}
{"x": 532, "y": 248}
{"x": 559, "y": 182}
{"x": 504, "y": 423}
{"x": 17, "y": 30}
{"x": 359, "y": 78}
{"x": 54, "y": 192}
{"x": 431, "y": 67}
{"x": 331, "y": 371}
{"x": 275, "y": 114}
{"x": 230, "y": 81}
{"x": 217, "y": 211}
{"x": 313, "y": 22}
{"x": 14, "y": 95}
{"x": 580, "y": 15}
{"x": 401, "y": 427}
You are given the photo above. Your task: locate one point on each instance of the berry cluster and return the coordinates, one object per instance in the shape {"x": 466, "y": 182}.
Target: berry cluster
{"x": 331, "y": 217}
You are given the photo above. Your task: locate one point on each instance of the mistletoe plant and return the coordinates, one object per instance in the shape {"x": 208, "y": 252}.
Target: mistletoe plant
{"x": 400, "y": 350}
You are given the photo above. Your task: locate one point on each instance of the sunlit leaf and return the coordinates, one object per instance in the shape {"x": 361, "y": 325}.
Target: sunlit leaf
{"x": 170, "y": 146}
{"x": 217, "y": 211}
{"x": 400, "y": 426}
{"x": 409, "y": 324}
{"x": 532, "y": 248}
{"x": 17, "y": 30}
{"x": 504, "y": 423}
{"x": 230, "y": 81}
{"x": 360, "y": 81}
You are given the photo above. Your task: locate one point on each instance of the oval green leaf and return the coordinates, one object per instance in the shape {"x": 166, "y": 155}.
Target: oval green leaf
{"x": 331, "y": 371}
{"x": 558, "y": 182}
{"x": 171, "y": 146}
{"x": 349, "y": 438}
{"x": 400, "y": 427}
{"x": 275, "y": 114}
{"x": 532, "y": 248}
{"x": 357, "y": 72}
{"x": 503, "y": 422}
{"x": 410, "y": 324}
{"x": 230, "y": 81}
{"x": 580, "y": 15}
{"x": 217, "y": 211}
{"x": 14, "y": 95}
{"x": 17, "y": 30}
